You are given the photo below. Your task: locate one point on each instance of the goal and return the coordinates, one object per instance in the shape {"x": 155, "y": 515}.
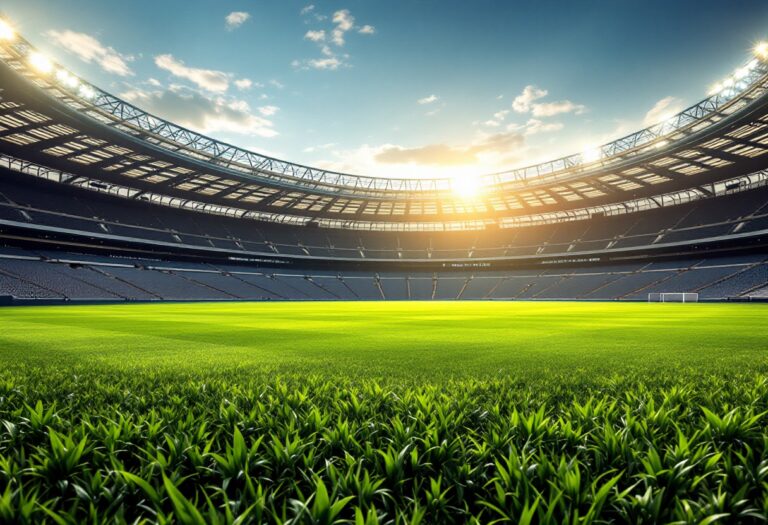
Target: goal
{"x": 673, "y": 297}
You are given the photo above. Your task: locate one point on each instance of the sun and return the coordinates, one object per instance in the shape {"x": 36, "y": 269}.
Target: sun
{"x": 466, "y": 186}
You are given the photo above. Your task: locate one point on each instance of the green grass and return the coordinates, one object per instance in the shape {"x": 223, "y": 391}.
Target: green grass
{"x": 384, "y": 413}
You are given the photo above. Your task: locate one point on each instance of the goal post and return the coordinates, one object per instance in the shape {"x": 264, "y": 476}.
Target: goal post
{"x": 673, "y": 297}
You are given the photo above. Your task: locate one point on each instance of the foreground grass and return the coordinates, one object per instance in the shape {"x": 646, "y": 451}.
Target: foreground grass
{"x": 384, "y": 413}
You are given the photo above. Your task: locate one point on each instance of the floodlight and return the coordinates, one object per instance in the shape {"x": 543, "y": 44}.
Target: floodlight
{"x": 591, "y": 154}
{"x": 6, "y": 31}
{"x": 761, "y": 49}
{"x": 41, "y": 62}
{"x": 86, "y": 92}
{"x": 741, "y": 73}
{"x": 67, "y": 79}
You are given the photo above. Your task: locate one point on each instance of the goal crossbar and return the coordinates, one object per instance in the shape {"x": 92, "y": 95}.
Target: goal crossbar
{"x": 673, "y": 297}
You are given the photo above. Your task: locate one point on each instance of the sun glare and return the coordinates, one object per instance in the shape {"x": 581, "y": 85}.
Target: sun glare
{"x": 67, "y": 79}
{"x": 591, "y": 154}
{"x": 86, "y": 92}
{"x": 466, "y": 187}
{"x": 6, "y": 31}
{"x": 41, "y": 63}
{"x": 761, "y": 49}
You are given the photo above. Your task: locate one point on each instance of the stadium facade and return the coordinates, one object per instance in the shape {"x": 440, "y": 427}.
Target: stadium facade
{"x": 101, "y": 201}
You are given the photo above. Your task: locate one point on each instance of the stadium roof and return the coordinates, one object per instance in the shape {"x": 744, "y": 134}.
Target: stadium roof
{"x": 55, "y": 119}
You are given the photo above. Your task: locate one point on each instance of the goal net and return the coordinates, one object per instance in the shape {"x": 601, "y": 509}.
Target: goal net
{"x": 673, "y": 297}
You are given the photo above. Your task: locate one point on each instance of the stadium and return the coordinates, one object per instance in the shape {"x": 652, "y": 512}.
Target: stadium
{"x": 143, "y": 264}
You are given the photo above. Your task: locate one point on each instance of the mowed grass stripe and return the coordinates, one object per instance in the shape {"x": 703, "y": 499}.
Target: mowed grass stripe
{"x": 443, "y": 337}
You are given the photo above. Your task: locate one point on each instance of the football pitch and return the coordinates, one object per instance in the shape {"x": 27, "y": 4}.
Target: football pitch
{"x": 423, "y": 412}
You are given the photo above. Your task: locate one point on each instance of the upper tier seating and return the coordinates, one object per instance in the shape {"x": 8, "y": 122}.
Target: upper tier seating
{"x": 31, "y": 201}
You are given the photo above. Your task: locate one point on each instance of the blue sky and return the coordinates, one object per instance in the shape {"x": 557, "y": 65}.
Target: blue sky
{"x": 418, "y": 88}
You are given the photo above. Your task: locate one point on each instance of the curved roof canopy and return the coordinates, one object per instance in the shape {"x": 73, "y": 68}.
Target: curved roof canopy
{"x": 51, "y": 116}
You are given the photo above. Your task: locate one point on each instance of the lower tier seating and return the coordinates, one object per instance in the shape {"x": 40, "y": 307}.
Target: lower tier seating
{"x": 51, "y": 275}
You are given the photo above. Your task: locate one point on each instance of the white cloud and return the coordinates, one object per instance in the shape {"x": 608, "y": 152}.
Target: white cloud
{"x": 550, "y": 109}
{"x": 236, "y": 18}
{"x": 526, "y": 102}
{"x": 428, "y": 99}
{"x": 329, "y": 63}
{"x": 315, "y": 35}
{"x": 434, "y": 154}
{"x": 497, "y": 119}
{"x": 195, "y": 110}
{"x": 244, "y": 84}
{"x": 208, "y": 79}
{"x": 268, "y": 111}
{"x": 330, "y": 41}
{"x": 523, "y": 102}
{"x": 344, "y": 22}
{"x": 535, "y": 126}
{"x": 488, "y": 150}
{"x": 89, "y": 49}
{"x": 485, "y": 154}
{"x": 277, "y": 84}
{"x": 664, "y": 109}
{"x": 311, "y": 13}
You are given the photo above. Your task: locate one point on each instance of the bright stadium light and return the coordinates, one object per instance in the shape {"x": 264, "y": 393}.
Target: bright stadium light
{"x": 6, "y": 31}
{"x": 86, "y": 92}
{"x": 761, "y": 49}
{"x": 741, "y": 72}
{"x": 739, "y": 75}
{"x": 67, "y": 79}
{"x": 41, "y": 62}
{"x": 466, "y": 187}
{"x": 591, "y": 154}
